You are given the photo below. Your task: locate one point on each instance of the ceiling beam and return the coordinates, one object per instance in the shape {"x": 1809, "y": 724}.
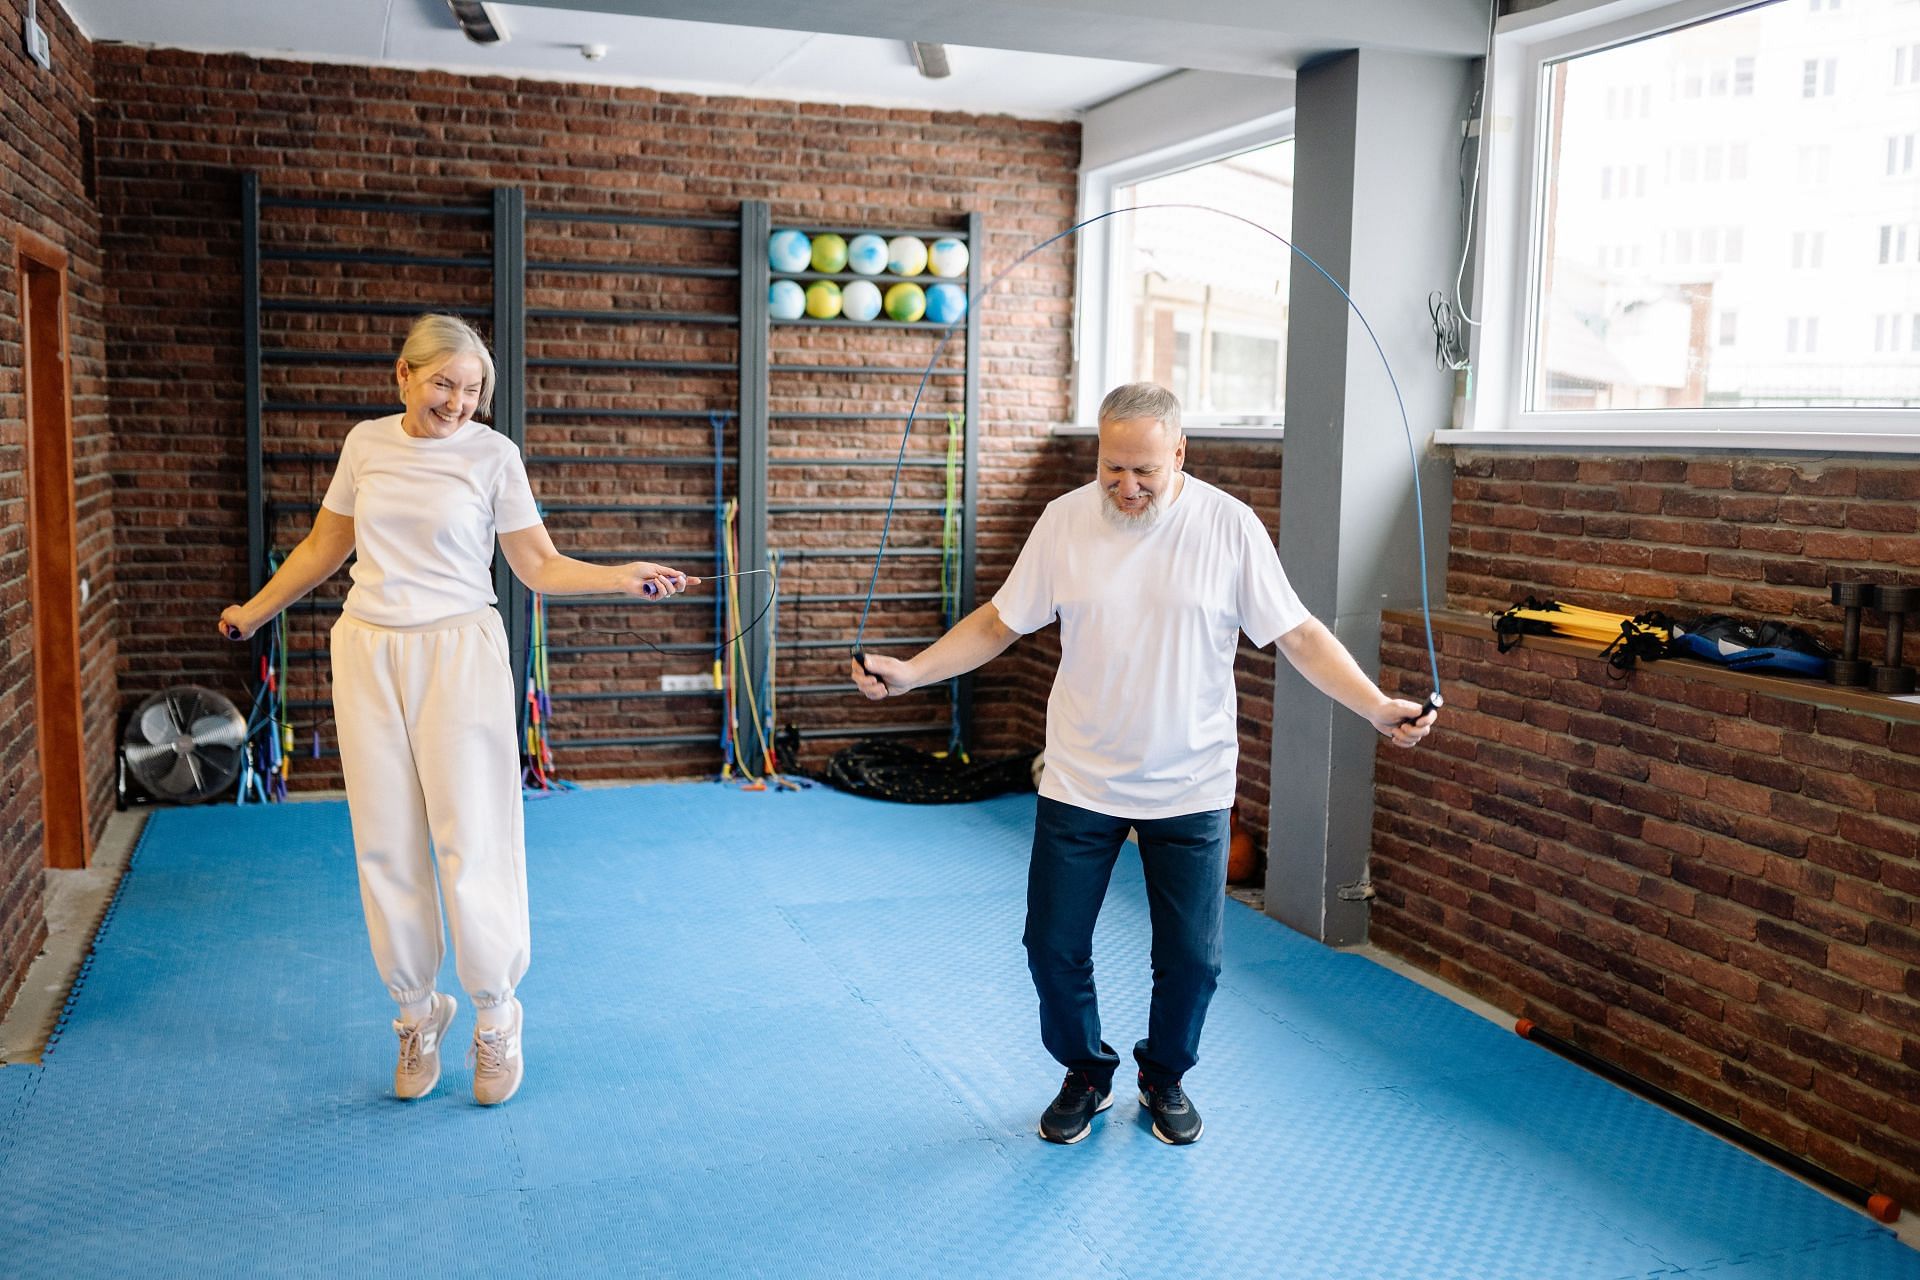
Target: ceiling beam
{"x": 1257, "y": 37}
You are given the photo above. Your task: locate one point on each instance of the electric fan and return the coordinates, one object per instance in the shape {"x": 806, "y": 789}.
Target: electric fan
{"x": 183, "y": 745}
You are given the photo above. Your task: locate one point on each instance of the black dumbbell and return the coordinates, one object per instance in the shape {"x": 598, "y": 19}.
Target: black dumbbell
{"x": 1893, "y": 676}
{"x": 1848, "y": 669}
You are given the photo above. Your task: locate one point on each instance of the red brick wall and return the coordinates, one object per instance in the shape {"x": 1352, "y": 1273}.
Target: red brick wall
{"x": 176, "y": 130}
{"x": 44, "y": 191}
{"x": 1758, "y": 537}
{"x": 1711, "y": 885}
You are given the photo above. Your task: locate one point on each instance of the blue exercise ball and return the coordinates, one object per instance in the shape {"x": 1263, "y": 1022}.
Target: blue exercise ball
{"x": 946, "y": 303}
{"x": 867, "y": 255}
{"x": 860, "y": 300}
{"x": 786, "y": 300}
{"x": 789, "y": 251}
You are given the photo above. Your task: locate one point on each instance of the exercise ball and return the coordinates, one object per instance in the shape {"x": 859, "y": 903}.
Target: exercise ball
{"x": 867, "y": 255}
{"x": 829, "y": 253}
{"x": 906, "y": 302}
{"x": 946, "y": 303}
{"x": 906, "y": 255}
{"x": 823, "y": 299}
{"x": 860, "y": 300}
{"x": 785, "y": 301}
{"x": 947, "y": 257}
{"x": 789, "y": 251}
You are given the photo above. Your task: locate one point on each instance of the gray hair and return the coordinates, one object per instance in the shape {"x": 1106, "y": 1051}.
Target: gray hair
{"x": 1142, "y": 400}
{"x": 434, "y": 339}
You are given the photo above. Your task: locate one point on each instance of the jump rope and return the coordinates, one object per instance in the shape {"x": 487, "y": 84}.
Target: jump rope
{"x": 1434, "y": 700}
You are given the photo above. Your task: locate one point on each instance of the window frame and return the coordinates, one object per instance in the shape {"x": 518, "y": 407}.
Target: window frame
{"x": 1100, "y": 333}
{"x": 1511, "y": 225}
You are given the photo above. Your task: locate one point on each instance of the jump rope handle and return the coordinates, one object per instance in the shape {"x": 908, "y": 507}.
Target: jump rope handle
{"x": 1434, "y": 703}
{"x": 230, "y": 631}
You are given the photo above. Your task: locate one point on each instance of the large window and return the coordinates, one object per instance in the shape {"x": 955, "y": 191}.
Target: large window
{"x": 1682, "y": 168}
{"x": 1183, "y": 296}
{"x": 1202, "y": 298}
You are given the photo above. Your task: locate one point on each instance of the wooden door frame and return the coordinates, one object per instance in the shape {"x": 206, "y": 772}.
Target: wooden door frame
{"x": 53, "y": 540}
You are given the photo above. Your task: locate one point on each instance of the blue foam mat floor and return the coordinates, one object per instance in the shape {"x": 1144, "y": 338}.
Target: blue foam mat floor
{"x": 793, "y": 1035}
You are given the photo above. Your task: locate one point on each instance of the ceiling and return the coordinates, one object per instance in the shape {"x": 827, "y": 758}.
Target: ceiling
{"x": 1035, "y": 58}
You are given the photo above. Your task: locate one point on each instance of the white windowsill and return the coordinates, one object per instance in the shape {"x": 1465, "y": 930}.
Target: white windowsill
{"x": 1751, "y": 441}
{"x": 1196, "y": 430}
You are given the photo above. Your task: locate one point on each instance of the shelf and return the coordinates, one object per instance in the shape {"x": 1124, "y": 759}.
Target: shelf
{"x": 923, "y": 280}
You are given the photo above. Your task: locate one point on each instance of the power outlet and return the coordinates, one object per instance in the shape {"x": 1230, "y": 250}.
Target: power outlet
{"x": 701, "y": 683}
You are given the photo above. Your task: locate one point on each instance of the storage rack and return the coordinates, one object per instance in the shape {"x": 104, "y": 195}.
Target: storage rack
{"x": 877, "y": 449}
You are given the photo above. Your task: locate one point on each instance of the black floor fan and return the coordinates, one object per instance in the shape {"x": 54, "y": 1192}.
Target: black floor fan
{"x": 181, "y": 746}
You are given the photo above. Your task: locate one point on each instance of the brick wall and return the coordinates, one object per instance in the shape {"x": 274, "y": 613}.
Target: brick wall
{"x": 176, "y": 130}
{"x": 43, "y": 167}
{"x": 1707, "y": 880}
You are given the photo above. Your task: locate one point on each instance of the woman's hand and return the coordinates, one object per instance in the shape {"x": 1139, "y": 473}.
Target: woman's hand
{"x": 652, "y": 581}
{"x": 234, "y": 624}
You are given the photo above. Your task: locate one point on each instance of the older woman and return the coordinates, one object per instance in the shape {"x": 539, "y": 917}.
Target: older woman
{"x": 423, "y": 691}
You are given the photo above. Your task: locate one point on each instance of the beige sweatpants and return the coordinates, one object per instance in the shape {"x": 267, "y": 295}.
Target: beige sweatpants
{"x": 429, "y": 747}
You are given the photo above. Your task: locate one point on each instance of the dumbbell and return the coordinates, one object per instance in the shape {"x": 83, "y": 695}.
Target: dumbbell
{"x": 1849, "y": 669}
{"x": 1893, "y": 676}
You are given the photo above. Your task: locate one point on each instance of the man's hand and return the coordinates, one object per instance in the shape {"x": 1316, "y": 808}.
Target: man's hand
{"x": 883, "y": 677}
{"x": 1390, "y": 717}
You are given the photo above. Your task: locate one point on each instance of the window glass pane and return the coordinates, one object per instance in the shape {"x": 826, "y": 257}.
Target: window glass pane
{"x": 1205, "y": 299}
{"x": 1794, "y": 199}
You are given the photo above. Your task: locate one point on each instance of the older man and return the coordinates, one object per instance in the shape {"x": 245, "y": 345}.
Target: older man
{"x": 1153, "y": 575}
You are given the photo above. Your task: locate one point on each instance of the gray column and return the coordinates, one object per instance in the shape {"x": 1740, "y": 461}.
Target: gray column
{"x": 1377, "y": 203}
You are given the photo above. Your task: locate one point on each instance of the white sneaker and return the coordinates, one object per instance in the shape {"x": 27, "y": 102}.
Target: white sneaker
{"x": 419, "y": 1067}
{"x": 496, "y": 1062}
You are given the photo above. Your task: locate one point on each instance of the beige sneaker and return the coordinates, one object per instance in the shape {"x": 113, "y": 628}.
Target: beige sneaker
{"x": 419, "y": 1067}
{"x": 496, "y": 1062}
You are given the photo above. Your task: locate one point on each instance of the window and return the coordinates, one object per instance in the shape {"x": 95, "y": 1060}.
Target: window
{"x": 1889, "y": 333}
{"x": 1906, "y": 65}
{"x": 1893, "y": 244}
{"x": 1900, "y": 155}
{"x": 1200, "y": 303}
{"x": 1574, "y": 339}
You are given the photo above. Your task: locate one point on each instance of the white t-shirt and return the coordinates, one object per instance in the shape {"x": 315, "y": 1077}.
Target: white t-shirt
{"x": 1141, "y": 722}
{"x": 425, "y": 513}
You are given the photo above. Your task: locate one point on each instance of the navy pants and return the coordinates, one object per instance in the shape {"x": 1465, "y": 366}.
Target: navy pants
{"x": 1185, "y": 860}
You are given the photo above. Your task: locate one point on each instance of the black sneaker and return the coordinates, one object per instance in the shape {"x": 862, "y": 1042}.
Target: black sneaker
{"x": 1069, "y": 1117}
{"x": 1174, "y": 1119}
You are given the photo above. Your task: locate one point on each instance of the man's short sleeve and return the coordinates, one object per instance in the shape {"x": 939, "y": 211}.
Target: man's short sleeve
{"x": 1025, "y": 600}
{"x": 340, "y": 490}
{"x": 1267, "y": 604}
{"x": 513, "y": 506}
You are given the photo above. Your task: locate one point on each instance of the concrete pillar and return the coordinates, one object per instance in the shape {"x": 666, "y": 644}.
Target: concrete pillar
{"x": 1377, "y": 203}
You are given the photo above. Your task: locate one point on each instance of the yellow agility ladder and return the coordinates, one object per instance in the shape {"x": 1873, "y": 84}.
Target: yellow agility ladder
{"x": 1629, "y": 638}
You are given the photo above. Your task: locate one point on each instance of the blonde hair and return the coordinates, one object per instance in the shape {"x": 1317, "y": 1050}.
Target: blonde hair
{"x": 434, "y": 338}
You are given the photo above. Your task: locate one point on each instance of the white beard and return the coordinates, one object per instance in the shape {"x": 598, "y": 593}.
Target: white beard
{"x": 1132, "y": 521}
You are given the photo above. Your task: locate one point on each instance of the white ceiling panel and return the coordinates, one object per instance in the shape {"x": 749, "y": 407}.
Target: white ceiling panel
{"x": 664, "y": 53}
